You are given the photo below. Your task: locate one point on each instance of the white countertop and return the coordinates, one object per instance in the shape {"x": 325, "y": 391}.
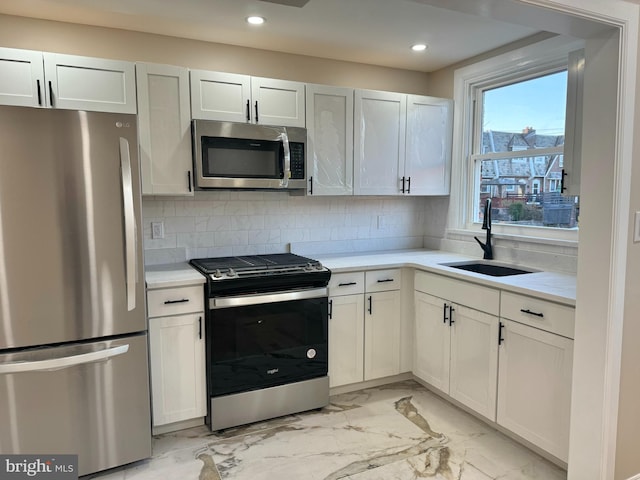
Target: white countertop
{"x": 172, "y": 275}
{"x": 555, "y": 287}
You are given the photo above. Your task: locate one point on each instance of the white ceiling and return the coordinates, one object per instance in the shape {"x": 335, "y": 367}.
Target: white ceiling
{"x": 378, "y": 32}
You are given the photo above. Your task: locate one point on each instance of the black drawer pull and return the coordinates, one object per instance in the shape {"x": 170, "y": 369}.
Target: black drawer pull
{"x": 500, "y": 339}
{"x": 330, "y": 309}
{"x": 200, "y": 328}
{"x": 168, "y": 302}
{"x": 444, "y": 314}
{"x": 370, "y": 305}
{"x": 529, "y": 312}
{"x": 451, "y": 310}
{"x": 386, "y": 280}
{"x": 347, "y": 284}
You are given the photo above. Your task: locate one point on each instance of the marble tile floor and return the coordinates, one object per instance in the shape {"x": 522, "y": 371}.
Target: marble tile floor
{"x": 394, "y": 432}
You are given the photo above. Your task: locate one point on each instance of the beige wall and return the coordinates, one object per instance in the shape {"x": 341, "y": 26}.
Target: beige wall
{"x": 441, "y": 81}
{"x": 59, "y": 37}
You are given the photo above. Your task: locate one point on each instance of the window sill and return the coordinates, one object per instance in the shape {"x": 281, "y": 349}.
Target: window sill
{"x": 467, "y": 235}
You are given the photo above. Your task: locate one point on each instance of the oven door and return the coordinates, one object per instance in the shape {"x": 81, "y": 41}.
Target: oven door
{"x": 259, "y": 341}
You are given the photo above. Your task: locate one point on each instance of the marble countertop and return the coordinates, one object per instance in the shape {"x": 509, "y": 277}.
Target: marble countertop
{"x": 172, "y": 275}
{"x": 555, "y": 287}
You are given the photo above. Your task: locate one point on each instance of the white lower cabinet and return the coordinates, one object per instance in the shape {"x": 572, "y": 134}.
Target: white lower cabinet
{"x": 177, "y": 354}
{"x": 456, "y": 351}
{"x": 176, "y": 346}
{"x": 534, "y": 382}
{"x": 364, "y": 326}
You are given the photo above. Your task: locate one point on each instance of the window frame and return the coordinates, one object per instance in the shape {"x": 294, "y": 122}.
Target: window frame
{"x": 527, "y": 62}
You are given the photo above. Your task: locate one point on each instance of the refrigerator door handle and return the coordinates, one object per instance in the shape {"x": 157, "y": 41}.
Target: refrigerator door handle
{"x": 129, "y": 224}
{"x": 64, "y": 362}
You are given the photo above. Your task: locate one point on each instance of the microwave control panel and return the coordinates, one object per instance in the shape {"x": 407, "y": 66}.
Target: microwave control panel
{"x": 297, "y": 160}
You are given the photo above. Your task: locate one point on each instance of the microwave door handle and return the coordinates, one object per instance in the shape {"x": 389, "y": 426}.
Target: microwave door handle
{"x": 287, "y": 159}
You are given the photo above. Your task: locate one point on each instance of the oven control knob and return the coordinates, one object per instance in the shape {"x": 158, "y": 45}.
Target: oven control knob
{"x": 311, "y": 353}
{"x": 231, "y": 273}
{"x": 217, "y": 273}
{"x": 308, "y": 267}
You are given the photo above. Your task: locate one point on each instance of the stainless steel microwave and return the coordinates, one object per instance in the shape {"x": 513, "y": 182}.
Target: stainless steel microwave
{"x": 242, "y": 155}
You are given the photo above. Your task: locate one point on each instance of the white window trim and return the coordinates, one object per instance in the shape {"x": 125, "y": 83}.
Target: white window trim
{"x": 528, "y": 60}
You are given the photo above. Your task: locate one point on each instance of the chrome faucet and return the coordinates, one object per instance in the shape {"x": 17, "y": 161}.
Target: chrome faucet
{"x": 486, "y": 225}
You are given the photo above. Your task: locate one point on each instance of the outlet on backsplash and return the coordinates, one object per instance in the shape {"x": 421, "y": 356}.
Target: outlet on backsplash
{"x": 157, "y": 230}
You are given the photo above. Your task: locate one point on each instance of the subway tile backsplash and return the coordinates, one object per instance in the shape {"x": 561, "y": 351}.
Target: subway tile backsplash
{"x": 220, "y": 223}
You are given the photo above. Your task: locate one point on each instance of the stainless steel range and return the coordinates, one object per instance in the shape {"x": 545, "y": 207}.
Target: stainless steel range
{"x": 266, "y": 337}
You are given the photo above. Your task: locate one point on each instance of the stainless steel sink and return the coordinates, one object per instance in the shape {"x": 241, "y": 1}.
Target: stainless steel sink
{"x": 492, "y": 269}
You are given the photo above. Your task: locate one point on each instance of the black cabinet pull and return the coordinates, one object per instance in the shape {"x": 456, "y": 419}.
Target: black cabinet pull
{"x": 370, "y": 305}
{"x": 451, "y": 310}
{"x": 346, "y": 284}
{"x": 189, "y": 180}
{"x": 200, "y": 328}
{"x": 50, "y": 93}
{"x": 386, "y": 280}
{"x": 256, "y": 111}
{"x": 248, "y": 111}
{"x": 169, "y": 302}
{"x": 310, "y": 185}
{"x": 562, "y": 186}
{"x": 529, "y": 312}
{"x": 39, "y": 93}
{"x": 444, "y": 313}
{"x": 500, "y": 327}
{"x": 330, "y": 309}
{"x": 403, "y": 184}
{"x": 408, "y": 184}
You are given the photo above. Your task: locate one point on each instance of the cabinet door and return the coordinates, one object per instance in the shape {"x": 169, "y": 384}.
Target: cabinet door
{"x": 473, "y": 377}
{"x": 346, "y": 340}
{"x": 84, "y": 83}
{"x": 330, "y": 140}
{"x": 176, "y": 349}
{"x": 379, "y": 142}
{"x": 432, "y": 341}
{"x": 534, "y": 386}
{"x": 164, "y": 128}
{"x": 21, "y": 78}
{"x": 277, "y": 102}
{"x": 220, "y": 96}
{"x": 428, "y": 145}
{"x": 382, "y": 334}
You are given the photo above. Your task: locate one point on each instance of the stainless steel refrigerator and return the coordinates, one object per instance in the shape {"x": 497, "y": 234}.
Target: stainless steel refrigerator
{"x": 73, "y": 340}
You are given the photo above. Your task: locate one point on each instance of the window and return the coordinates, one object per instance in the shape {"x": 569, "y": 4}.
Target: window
{"x": 510, "y": 146}
{"x": 519, "y": 127}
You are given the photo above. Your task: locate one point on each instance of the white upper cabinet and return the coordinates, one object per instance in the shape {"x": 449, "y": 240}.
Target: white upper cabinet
{"x": 84, "y": 83}
{"x": 220, "y": 96}
{"x": 428, "y": 147}
{"x": 330, "y": 140}
{"x": 379, "y": 142}
{"x": 33, "y": 79}
{"x": 240, "y": 98}
{"x": 573, "y": 125}
{"x": 402, "y": 144}
{"x": 21, "y": 78}
{"x": 164, "y": 129}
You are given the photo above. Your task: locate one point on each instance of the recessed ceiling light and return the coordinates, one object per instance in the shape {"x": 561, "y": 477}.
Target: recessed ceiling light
{"x": 419, "y": 47}
{"x": 255, "y": 20}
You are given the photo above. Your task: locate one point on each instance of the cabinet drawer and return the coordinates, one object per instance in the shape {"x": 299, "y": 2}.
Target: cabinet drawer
{"x": 469, "y": 294}
{"x": 346, "y": 283}
{"x": 382, "y": 280}
{"x": 548, "y": 316}
{"x": 174, "y": 301}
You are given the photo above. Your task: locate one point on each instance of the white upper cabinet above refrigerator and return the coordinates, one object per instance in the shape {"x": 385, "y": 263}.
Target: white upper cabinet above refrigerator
{"x": 233, "y": 97}
{"x": 330, "y": 140}
{"x": 41, "y": 79}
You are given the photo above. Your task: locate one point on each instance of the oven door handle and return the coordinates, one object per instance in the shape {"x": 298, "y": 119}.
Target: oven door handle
{"x": 245, "y": 300}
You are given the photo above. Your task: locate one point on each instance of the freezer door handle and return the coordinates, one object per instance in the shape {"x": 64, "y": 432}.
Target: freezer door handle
{"x": 130, "y": 246}
{"x": 64, "y": 362}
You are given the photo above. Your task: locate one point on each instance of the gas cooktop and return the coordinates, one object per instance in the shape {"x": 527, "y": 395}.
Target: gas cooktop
{"x": 260, "y": 273}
